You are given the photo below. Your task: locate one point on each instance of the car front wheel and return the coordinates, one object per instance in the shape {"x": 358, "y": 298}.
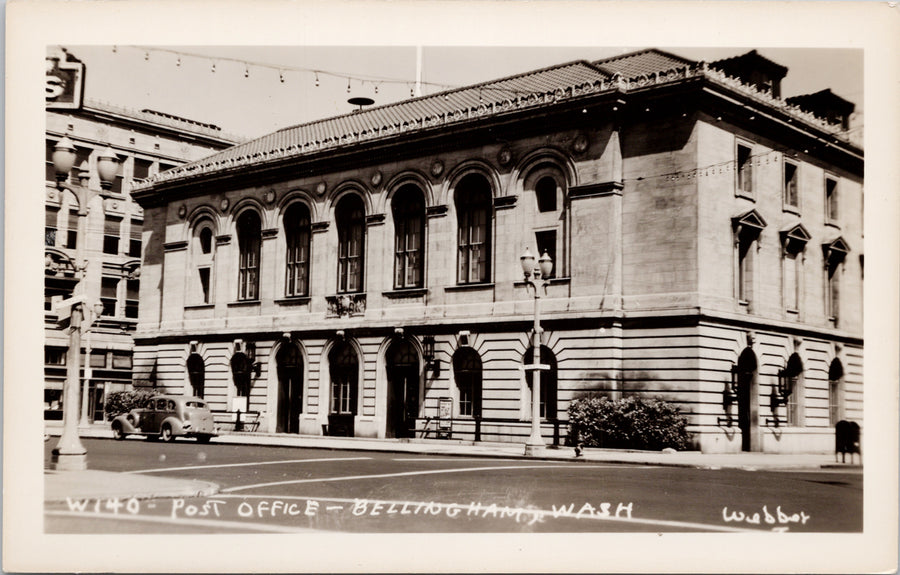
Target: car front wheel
{"x": 203, "y": 438}
{"x": 118, "y": 435}
{"x": 166, "y": 433}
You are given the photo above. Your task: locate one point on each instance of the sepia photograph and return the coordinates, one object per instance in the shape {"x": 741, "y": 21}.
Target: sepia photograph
{"x": 583, "y": 292}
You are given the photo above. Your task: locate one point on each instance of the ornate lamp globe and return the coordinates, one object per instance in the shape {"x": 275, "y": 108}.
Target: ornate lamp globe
{"x": 527, "y": 259}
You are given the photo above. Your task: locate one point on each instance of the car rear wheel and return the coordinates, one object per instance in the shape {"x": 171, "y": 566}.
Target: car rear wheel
{"x": 166, "y": 433}
{"x": 203, "y": 438}
{"x": 118, "y": 435}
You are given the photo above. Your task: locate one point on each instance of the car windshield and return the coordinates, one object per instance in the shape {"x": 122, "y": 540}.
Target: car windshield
{"x": 194, "y": 404}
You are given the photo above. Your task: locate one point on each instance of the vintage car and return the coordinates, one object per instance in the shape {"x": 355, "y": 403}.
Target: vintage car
{"x": 167, "y": 417}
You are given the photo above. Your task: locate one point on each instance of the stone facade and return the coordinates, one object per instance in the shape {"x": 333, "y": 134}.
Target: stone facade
{"x": 664, "y": 210}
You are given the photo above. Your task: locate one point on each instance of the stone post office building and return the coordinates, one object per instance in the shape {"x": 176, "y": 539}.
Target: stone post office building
{"x": 360, "y": 275}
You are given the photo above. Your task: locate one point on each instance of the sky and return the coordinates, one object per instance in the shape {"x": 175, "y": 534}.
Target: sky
{"x": 250, "y": 91}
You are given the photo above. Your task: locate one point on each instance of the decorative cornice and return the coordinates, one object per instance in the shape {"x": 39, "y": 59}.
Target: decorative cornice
{"x": 374, "y": 219}
{"x": 611, "y": 188}
{"x": 223, "y": 240}
{"x": 319, "y": 226}
{"x": 270, "y": 233}
{"x": 175, "y": 246}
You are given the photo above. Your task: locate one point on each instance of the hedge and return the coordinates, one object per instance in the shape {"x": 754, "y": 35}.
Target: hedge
{"x": 627, "y": 423}
{"x": 121, "y": 402}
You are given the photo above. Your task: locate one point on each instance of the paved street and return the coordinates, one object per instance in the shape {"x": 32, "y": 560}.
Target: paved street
{"x": 275, "y": 489}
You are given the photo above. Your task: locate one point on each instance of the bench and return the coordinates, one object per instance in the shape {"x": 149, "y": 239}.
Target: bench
{"x": 237, "y": 420}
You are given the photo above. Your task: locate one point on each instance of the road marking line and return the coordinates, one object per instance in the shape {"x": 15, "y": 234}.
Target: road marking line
{"x": 252, "y": 463}
{"x": 407, "y": 474}
{"x": 190, "y": 522}
{"x": 524, "y": 510}
{"x": 485, "y": 459}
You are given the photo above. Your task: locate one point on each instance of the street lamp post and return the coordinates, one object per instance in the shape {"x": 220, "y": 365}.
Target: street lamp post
{"x": 534, "y": 278}
{"x": 69, "y": 454}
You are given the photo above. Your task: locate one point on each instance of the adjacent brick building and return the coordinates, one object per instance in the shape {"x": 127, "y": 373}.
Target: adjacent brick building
{"x": 360, "y": 275}
{"x": 145, "y": 143}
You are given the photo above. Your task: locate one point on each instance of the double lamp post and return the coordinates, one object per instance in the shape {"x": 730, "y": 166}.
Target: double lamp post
{"x": 536, "y": 278}
{"x": 69, "y": 454}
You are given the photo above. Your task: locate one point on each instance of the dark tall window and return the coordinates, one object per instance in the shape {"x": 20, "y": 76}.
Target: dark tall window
{"x": 835, "y": 391}
{"x": 134, "y": 244}
{"x": 793, "y": 380}
{"x": 833, "y": 297}
{"x": 791, "y": 197}
{"x": 746, "y": 261}
{"x": 545, "y": 192}
{"x": 196, "y": 373}
{"x": 351, "y": 222}
{"x": 467, "y": 372}
{"x": 141, "y": 169}
{"x": 546, "y": 243}
{"x": 249, "y": 230}
{"x": 111, "y": 229}
{"x": 50, "y": 227}
{"x": 548, "y": 380}
{"x": 297, "y": 233}
{"x": 109, "y": 295}
{"x": 473, "y": 212}
{"x": 409, "y": 232}
{"x": 203, "y": 259}
{"x": 831, "y": 200}
{"x": 72, "y": 229}
{"x": 744, "y": 170}
{"x": 132, "y": 289}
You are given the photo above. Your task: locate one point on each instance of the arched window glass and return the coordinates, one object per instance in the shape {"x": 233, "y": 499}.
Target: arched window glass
{"x": 203, "y": 258}
{"x": 548, "y": 216}
{"x": 196, "y": 374}
{"x": 793, "y": 381}
{"x": 351, "y": 220}
{"x": 548, "y": 380}
{"x": 473, "y": 213}
{"x": 467, "y": 372}
{"x": 409, "y": 231}
{"x": 297, "y": 234}
{"x": 249, "y": 231}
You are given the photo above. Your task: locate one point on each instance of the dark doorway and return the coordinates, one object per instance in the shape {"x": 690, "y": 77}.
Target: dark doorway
{"x": 746, "y": 380}
{"x": 197, "y": 374}
{"x": 290, "y": 389}
{"x": 344, "y": 370}
{"x": 403, "y": 390}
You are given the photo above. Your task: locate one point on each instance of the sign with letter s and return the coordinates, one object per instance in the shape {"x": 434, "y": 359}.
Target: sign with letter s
{"x": 64, "y": 84}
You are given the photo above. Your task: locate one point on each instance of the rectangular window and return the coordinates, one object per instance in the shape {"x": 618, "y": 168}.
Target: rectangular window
{"x": 546, "y": 243}
{"x": 108, "y": 295}
{"x": 791, "y": 283}
{"x": 121, "y": 360}
{"x": 72, "y": 230}
{"x": 744, "y": 170}
{"x": 50, "y": 170}
{"x": 50, "y": 227}
{"x": 473, "y": 246}
{"x": 465, "y": 399}
{"x": 340, "y": 396}
{"x": 134, "y": 245}
{"x": 132, "y": 289}
{"x": 111, "y": 231}
{"x": 141, "y": 169}
{"x": 833, "y": 295}
{"x": 793, "y": 403}
{"x": 98, "y": 359}
{"x": 407, "y": 252}
{"x": 745, "y": 269}
{"x": 55, "y": 356}
{"x": 791, "y": 197}
{"x": 831, "y": 200}
{"x": 204, "y": 284}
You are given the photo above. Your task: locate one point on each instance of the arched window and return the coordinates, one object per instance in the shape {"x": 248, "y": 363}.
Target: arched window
{"x": 409, "y": 231}
{"x": 351, "y": 220}
{"x": 473, "y": 213}
{"x": 549, "y": 386}
{"x": 203, "y": 258}
{"x": 297, "y": 234}
{"x": 249, "y": 231}
{"x": 344, "y": 368}
{"x": 835, "y": 392}
{"x": 196, "y": 373}
{"x": 467, "y": 372}
{"x": 241, "y": 371}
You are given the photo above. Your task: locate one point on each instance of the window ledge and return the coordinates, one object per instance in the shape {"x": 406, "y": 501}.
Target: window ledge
{"x": 790, "y": 209}
{"x": 405, "y": 292}
{"x": 469, "y": 287}
{"x": 833, "y": 224}
{"x": 746, "y": 195}
{"x": 200, "y": 306}
{"x": 792, "y": 311}
{"x": 293, "y": 300}
{"x": 244, "y": 303}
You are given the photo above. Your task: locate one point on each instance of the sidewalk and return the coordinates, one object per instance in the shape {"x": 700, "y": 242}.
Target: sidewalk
{"x": 94, "y": 484}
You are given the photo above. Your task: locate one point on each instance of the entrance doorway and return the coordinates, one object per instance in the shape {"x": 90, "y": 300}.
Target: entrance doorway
{"x": 290, "y": 389}
{"x": 747, "y": 407}
{"x": 403, "y": 390}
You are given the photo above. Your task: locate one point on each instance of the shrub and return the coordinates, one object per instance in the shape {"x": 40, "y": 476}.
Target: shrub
{"x": 627, "y": 423}
{"x": 121, "y": 402}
